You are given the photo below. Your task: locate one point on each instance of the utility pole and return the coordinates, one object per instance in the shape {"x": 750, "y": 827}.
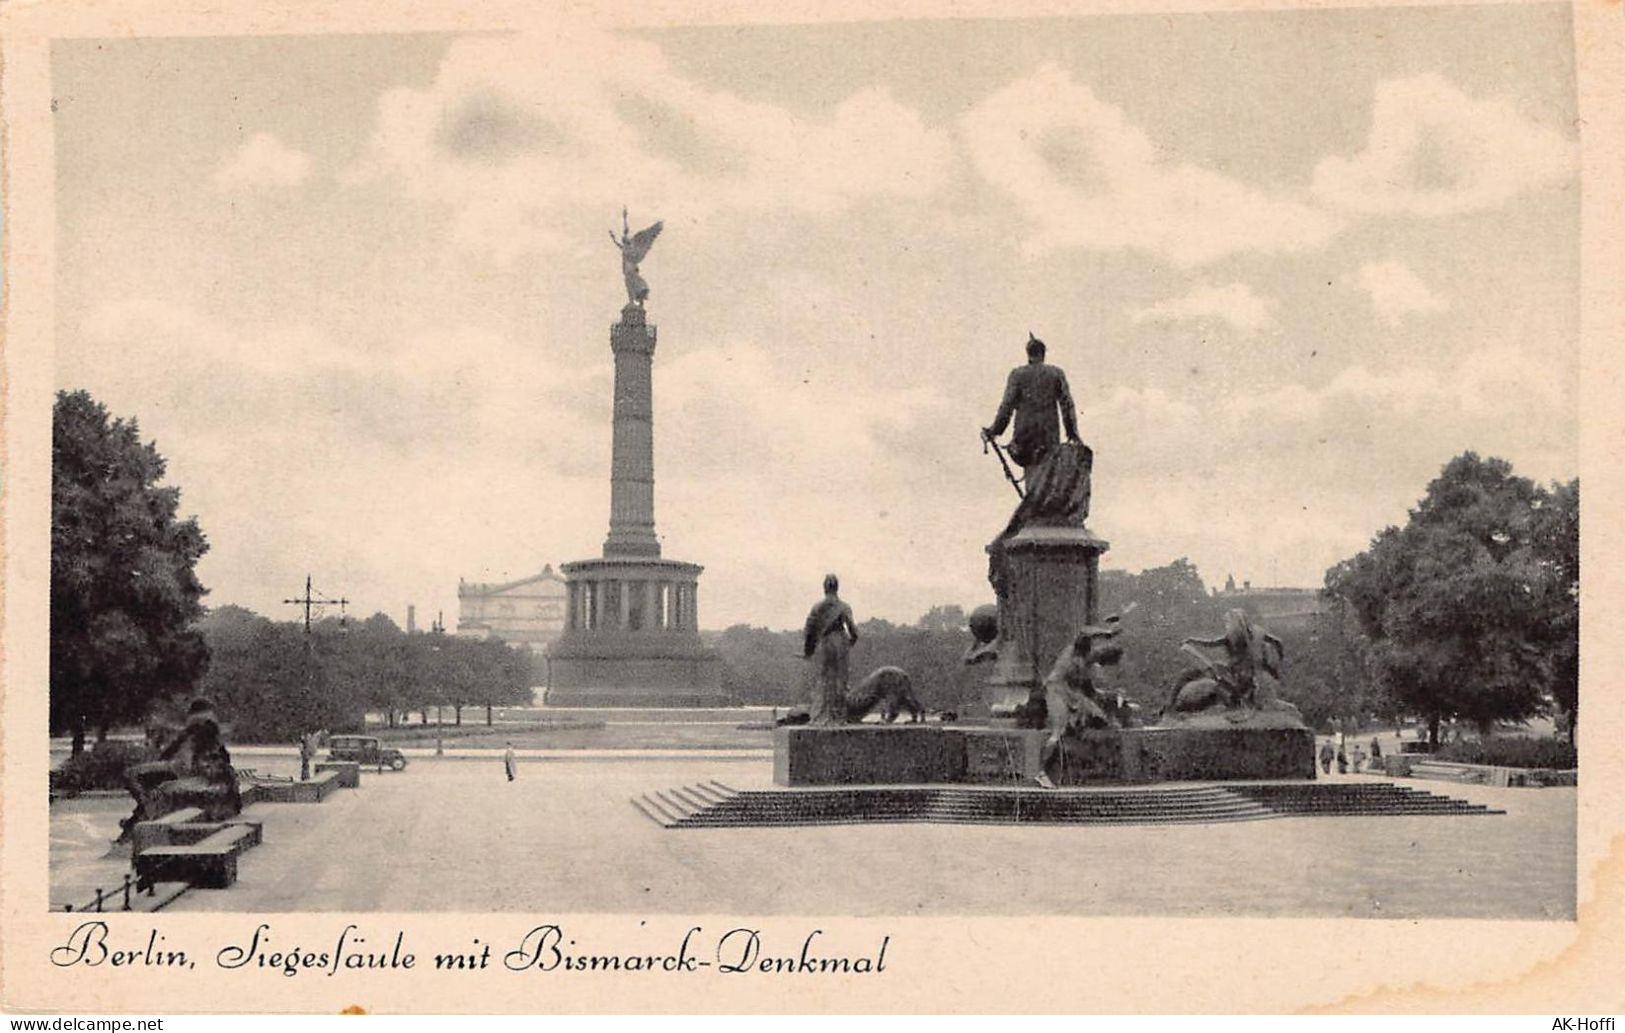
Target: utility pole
{"x": 315, "y": 602}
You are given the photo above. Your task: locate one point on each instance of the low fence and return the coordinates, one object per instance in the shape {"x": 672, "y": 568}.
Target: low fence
{"x": 121, "y": 894}
{"x": 1423, "y": 766}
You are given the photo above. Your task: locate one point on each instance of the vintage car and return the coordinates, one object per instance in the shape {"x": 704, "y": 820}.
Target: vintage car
{"x": 366, "y": 749}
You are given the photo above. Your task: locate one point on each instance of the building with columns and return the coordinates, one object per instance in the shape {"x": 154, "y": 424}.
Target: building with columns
{"x": 631, "y": 635}
{"x": 528, "y": 612}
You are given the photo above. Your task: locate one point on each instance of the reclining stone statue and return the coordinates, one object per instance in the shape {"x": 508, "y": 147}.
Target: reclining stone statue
{"x": 194, "y": 770}
{"x": 1245, "y": 680}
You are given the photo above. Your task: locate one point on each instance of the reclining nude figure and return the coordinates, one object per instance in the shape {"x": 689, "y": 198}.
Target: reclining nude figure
{"x": 1252, "y": 659}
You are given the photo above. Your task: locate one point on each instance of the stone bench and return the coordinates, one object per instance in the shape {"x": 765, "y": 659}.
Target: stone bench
{"x": 210, "y": 863}
{"x": 312, "y": 790}
{"x": 1446, "y": 770}
{"x": 349, "y": 772}
{"x": 156, "y": 832}
{"x": 189, "y": 833}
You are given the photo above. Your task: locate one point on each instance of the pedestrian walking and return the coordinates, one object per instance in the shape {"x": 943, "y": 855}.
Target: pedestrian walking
{"x": 1359, "y": 759}
{"x": 1327, "y": 754}
{"x": 510, "y": 762}
{"x": 1342, "y": 762}
{"x": 307, "y": 750}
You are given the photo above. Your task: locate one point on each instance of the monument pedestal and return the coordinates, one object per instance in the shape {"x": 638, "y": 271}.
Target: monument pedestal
{"x": 1049, "y": 589}
{"x": 632, "y": 638}
{"x": 806, "y": 755}
{"x": 967, "y": 754}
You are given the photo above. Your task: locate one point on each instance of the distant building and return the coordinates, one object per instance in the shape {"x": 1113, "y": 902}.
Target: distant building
{"x": 529, "y": 612}
{"x": 1280, "y": 609}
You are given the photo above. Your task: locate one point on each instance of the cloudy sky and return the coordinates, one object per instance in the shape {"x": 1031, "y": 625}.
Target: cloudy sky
{"x": 359, "y": 292}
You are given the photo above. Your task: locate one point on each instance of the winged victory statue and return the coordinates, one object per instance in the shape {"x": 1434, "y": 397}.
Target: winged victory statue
{"x": 633, "y": 247}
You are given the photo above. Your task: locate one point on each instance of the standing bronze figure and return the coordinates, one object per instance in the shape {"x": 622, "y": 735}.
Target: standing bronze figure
{"x": 829, "y": 635}
{"x": 1034, "y": 395}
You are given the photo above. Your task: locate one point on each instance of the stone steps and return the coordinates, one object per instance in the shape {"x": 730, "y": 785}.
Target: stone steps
{"x": 715, "y": 805}
{"x": 1378, "y": 798}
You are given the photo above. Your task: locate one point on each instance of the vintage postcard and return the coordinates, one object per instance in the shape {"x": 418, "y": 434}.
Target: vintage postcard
{"x": 1066, "y": 507}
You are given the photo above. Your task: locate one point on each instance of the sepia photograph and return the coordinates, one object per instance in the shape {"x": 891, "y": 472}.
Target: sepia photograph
{"x": 1094, "y": 465}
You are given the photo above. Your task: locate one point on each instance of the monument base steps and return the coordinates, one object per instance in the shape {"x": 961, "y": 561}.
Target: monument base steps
{"x": 714, "y": 805}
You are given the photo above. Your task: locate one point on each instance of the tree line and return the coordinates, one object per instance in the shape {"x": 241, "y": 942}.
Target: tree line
{"x": 272, "y": 682}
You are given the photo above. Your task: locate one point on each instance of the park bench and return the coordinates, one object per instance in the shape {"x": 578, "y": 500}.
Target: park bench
{"x": 318, "y": 788}
{"x": 1445, "y": 770}
{"x": 211, "y": 862}
{"x": 156, "y": 832}
{"x": 349, "y": 772}
{"x": 313, "y": 790}
{"x": 188, "y": 833}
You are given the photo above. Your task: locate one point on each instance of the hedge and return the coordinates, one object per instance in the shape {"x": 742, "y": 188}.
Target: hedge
{"x": 102, "y": 767}
{"x": 1512, "y": 752}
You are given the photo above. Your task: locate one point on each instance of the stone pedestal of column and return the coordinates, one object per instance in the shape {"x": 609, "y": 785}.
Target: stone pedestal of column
{"x": 1051, "y": 590}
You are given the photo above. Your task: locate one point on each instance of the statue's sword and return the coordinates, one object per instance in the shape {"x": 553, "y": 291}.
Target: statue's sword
{"x": 1015, "y": 482}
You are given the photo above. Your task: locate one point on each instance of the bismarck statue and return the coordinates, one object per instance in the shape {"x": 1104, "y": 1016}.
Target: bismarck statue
{"x": 1043, "y": 565}
{"x": 1055, "y": 481}
{"x": 1035, "y": 394}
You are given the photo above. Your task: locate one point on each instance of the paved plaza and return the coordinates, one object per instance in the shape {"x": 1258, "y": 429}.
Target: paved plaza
{"x": 451, "y": 834}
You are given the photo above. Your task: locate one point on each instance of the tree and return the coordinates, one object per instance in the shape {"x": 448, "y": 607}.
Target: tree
{"x": 376, "y": 660}
{"x": 501, "y": 674}
{"x": 272, "y": 682}
{"x": 1468, "y": 608}
{"x": 124, "y": 590}
{"x": 762, "y": 666}
{"x": 1557, "y": 543}
{"x": 1325, "y": 672}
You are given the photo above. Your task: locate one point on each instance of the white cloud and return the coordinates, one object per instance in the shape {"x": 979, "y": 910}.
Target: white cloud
{"x": 1085, "y": 177}
{"x": 524, "y": 136}
{"x": 262, "y": 161}
{"x": 147, "y": 325}
{"x": 1396, "y": 291}
{"x": 778, "y": 417}
{"x": 447, "y": 388}
{"x": 1488, "y": 383}
{"x": 1234, "y": 304}
{"x": 1433, "y": 150}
